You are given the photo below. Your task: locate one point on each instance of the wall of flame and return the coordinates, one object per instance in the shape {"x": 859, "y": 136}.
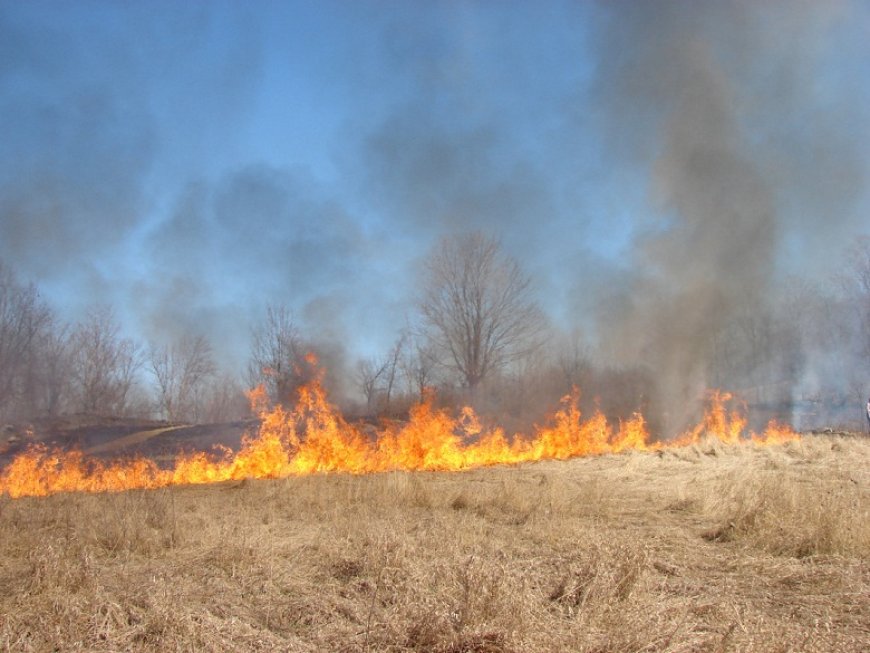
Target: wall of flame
{"x": 315, "y": 438}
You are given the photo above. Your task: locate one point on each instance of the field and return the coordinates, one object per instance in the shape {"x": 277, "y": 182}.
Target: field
{"x": 702, "y": 548}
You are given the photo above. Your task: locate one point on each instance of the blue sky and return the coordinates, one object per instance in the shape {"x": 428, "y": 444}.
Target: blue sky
{"x": 189, "y": 163}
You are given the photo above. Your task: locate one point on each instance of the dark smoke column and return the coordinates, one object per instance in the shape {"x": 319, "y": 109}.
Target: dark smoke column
{"x": 713, "y": 251}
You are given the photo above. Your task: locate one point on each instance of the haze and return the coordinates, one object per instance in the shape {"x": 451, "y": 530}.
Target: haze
{"x": 658, "y": 169}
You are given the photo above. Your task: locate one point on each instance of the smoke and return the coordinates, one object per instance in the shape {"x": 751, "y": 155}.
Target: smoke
{"x": 74, "y": 155}
{"x": 657, "y": 168}
{"x": 257, "y": 236}
{"x": 720, "y": 147}
{"x": 94, "y": 132}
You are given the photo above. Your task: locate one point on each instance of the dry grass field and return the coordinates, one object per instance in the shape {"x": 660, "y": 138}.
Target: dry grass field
{"x": 705, "y": 548}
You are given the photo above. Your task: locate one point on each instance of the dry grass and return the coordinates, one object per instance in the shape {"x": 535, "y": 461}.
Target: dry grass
{"x": 707, "y": 548}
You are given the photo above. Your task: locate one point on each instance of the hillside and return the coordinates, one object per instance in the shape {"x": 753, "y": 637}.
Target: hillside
{"x": 707, "y": 547}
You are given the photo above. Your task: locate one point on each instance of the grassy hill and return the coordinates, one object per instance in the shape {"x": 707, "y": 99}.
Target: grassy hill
{"x": 703, "y": 548}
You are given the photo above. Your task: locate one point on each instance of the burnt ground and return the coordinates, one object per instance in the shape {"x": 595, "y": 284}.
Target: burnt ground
{"x": 115, "y": 437}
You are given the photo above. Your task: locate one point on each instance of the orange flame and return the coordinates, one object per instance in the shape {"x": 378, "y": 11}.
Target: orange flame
{"x": 315, "y": 438}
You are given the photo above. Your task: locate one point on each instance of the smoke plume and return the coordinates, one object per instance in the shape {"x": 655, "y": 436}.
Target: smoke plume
{"x": 723, "y": 182}
{"x": 660, "y": 169}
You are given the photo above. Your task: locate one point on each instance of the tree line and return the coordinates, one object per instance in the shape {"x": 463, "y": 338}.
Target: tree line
{"x": 478, "y": 336}
{"x": 50, "y": 368}
{"x": 481, "y": 338}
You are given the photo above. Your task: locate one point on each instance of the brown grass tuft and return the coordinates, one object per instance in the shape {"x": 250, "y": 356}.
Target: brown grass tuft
{"x": 786, "y": 516}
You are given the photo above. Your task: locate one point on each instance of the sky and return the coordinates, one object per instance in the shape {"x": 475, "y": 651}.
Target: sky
{"x": 191, "y": 163}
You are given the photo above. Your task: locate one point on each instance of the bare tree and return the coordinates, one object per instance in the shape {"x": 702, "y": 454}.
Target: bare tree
{"x": 182, "y": 371}
{"x": 104, "y": 365}
{"x": 23, "y": 318}
{"x": 859, "y": 259}
{"x": 391, "y": 367}
{"x": 377, "y": 378}
{"x": 476, "y": 307}
{"x": 368, "y": 375}
{"x": 857, "y": 296}
{"x": 857, "y": 288}
{"x": 418, "y": 367}
{"x": 224, "y": 400}
{"x": 278, "y": 355}
{"x": 49, "y": 376}
{"x": 574, "y": 360}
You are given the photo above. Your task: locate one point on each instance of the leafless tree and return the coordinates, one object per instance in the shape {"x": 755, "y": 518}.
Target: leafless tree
{"x": 378, "y": 378}
{"x": 181, "y": 371}
{"x": 391, "y": 367}
{"x": 476, "y": 307}
{"x": 23, "y": 318}
{"x": 574, "y": 360}
{"x": 224, "y": 400}
{"x": 858, "y": 292}
{"x": 104, "y": 365}
{"x": 859, "y": 259}
{"x": 419, "y": 366}
{"x": 368, "y": 375}
{"x": 49, "y": 377}
{"x": 856, "y": 286}
{"x": 278, "y": 355}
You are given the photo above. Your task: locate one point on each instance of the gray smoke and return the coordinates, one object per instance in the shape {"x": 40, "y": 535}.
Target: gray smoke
{"x": 723, "y": 112}
{"x": 657, "y": 167}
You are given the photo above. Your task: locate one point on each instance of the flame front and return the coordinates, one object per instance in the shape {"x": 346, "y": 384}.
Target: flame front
{"x": 315, "y": 438}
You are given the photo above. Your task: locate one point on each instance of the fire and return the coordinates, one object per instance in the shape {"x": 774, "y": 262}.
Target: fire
{"x": 315, "y": 438}
{"x": 775, "y": 433}
{"x": 718, "y": 422}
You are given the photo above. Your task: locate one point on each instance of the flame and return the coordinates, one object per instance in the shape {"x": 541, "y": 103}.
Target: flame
{"x": 775, "y": 433}
{"x": 718, "y": 422}
{"x": 315, "y": 438}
